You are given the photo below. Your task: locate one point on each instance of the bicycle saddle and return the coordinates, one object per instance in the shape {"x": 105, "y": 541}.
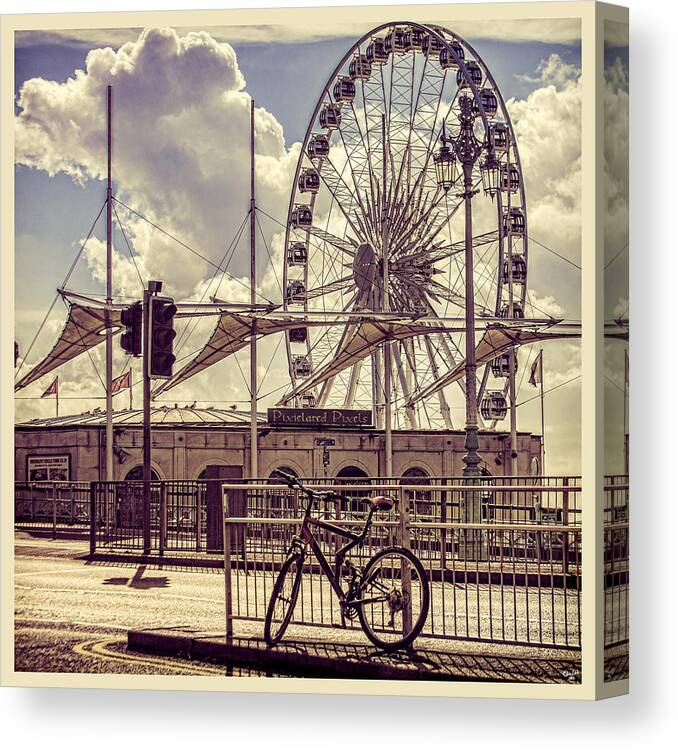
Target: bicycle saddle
{"x": 381, "y": 502}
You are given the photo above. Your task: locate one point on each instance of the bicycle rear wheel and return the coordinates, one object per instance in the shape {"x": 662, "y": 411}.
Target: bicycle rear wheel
{"x": 283, "y": 599}
{"x": 394, "y": 599}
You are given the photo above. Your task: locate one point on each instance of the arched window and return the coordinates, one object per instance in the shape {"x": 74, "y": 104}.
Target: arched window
{"x": 353, "y": 475}
{"x": 420, "y": 500}
{"x": 279, "y": 499}
{"x": 137, "y": 474}
{"x": 276, "y": 478}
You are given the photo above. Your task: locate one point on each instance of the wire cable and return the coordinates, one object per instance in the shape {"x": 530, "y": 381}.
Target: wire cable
{"x": 57, "y": 295}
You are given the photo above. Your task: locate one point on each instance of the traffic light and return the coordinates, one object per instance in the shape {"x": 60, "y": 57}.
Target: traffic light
{"x": 132, "y": 318}
{"x": 161, "y": 337}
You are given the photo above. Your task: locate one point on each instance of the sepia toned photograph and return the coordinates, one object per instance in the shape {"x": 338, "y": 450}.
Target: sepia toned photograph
{"x": 298, "y": 347}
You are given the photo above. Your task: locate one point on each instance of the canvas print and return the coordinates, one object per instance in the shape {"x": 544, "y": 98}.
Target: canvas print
{"x": 298, "y": 372}
{"x": 616, "y": 351}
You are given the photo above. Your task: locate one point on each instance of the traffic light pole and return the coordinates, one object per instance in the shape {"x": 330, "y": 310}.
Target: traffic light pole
{"x": 147, "y": 424}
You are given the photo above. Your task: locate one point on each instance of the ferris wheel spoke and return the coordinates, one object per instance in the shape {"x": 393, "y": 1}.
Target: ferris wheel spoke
{"x": 410, "y": 411}
{"x": 353, "y": 384}
{"x": 361, "y": 161}
{"x": 341, "y": 193}
{"x": 443, "y": 252}
{"x": 333, "y": 286}
{"x": 346, "y": 246}
{"x": 364, "y": 142}
{"x": 444, "y": 406}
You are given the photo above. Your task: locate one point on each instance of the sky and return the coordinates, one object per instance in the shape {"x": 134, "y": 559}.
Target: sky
{"x": 181, "y": 102}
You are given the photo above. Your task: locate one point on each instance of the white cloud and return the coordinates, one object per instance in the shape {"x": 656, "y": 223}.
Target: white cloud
{"x": 557, "y": 31}
{"x": 180, "y": 140}
{"x": 548, "y": 129}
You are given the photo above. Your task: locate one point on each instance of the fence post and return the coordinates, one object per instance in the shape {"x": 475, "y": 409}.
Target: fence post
{"x": 54, "y": 511}
{"x": 228, "y": 588}
{"x": 566, "y": 535}
{"x": 92, "y": 518}
{"x": 72, "y": 489}
{"x": 198, "y": 517}
{"x": 405, "y": 573}
{"x": 443, "y": 532}
{"x": 162, "y": 520}
{"x": 31, "y": 488}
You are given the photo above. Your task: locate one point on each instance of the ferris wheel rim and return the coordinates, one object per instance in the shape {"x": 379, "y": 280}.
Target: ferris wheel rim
{"x": 440, "y": 34}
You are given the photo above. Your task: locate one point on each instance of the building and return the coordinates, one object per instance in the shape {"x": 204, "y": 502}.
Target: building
{"x": 186, "y": 440}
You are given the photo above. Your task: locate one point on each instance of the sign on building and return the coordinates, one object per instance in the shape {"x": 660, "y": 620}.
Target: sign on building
{"x": 48, "y": 468}
{"x": 319, "y": 417}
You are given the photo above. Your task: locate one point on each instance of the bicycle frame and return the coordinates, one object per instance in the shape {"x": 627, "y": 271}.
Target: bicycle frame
{"x": 306, "y": 534}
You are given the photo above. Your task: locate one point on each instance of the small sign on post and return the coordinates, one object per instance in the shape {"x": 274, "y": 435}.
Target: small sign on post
{"x": 325, "y": 441}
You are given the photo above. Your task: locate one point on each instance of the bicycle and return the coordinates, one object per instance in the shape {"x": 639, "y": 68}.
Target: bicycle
{"x": 390, "y": 596}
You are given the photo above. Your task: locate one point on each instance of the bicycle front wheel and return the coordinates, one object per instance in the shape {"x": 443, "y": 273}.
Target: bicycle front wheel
{"x": 283, "y": 599}
{"x": 394, "y": 600}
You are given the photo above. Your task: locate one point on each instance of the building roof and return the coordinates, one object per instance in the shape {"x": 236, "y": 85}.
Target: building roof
{"x": 160, "y": 415}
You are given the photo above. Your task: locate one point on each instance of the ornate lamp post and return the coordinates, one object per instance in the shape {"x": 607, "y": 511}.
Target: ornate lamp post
{"x": 463, "y": 150}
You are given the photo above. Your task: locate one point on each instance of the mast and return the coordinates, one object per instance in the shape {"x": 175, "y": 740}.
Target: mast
{"x": 109, "y": 296}
{"x": 541, "y": 399}
{"x": 254, "y": 447}
{"x": 388, "y": 438}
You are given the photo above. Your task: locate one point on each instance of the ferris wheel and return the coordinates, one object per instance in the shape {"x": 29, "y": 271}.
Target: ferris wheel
{"x": 372, "y": 189}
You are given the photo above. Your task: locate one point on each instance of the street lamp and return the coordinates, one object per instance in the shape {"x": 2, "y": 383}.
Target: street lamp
{"x": 465, "y": 149}
{"x": 446, "y": 164}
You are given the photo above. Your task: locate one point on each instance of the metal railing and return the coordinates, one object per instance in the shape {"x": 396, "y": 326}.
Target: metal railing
{"x": 521, "y": 584}
{"x": 511, "y": 576}
{"x": 179, "y": 514}
{"x": 616, "y": 561}
{"x": 59, "y": 508}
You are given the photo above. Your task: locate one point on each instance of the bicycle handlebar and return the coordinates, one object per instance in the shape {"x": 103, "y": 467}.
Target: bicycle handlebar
{"x": 293, "y": 482}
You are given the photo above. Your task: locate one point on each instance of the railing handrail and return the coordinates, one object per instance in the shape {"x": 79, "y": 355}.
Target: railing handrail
{"x": 408, "y": 487}
{"x": 288, "y": 521}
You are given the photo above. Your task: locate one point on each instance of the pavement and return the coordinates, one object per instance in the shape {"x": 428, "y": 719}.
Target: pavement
{"x": 74, "y": 615}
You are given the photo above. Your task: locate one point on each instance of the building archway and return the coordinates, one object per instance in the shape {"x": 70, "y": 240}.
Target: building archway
{"x": 275, "y": 477}
{"x": 420, "y": 501}
{"x": 347, "y": 476}
{"x": 136, "y": 474}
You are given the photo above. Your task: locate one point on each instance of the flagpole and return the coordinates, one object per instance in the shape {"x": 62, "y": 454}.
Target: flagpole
{"x": 541, "y": 394}
{"x": 57, "y": 395}
{"x": 130, "y": 388}
{"x": 109, "y": 295}
{"x": 254, "y": 438}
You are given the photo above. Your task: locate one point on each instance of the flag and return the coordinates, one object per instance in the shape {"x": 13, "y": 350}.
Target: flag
{"x": 53, "y": 389}
{"x": 124, "y": 381}
{"x": 536, "y": 371}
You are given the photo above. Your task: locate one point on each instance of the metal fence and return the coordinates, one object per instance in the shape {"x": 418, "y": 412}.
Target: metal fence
{"x": 616, "y": 561}
{"x": 58, "y": 508}
{"x": 178, "y": 515}
{"x": 511, "y": 576}
{"x": 522, "y": 585}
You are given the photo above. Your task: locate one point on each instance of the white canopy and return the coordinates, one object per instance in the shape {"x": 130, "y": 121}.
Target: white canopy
{"x": 84, "y": 329}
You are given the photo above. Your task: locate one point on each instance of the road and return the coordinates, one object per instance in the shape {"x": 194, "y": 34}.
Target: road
{"x": 73, "y": 616}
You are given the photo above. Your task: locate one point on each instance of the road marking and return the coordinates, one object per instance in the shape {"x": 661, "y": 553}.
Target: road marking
{"x": 30, "y": 620}
{"x": 101, "y": 649}
{"x": 119, "y": 592}
{"x": 51, "y": 572}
